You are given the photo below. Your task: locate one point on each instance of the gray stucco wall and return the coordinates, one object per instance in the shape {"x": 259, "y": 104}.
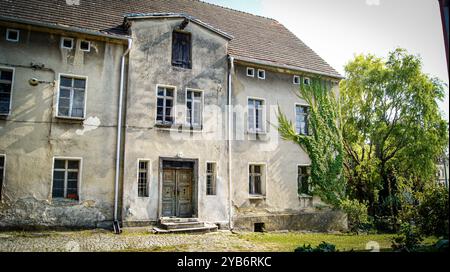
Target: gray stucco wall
{"x": 31, "y": 136}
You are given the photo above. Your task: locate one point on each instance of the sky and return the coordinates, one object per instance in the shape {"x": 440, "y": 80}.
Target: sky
{"x": 338, "y": 29}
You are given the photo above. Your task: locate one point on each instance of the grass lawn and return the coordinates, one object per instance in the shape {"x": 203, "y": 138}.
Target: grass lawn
{"x": 344, "y": 242}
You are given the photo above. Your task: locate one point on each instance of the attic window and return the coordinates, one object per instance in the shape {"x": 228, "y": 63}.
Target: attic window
{"x": 12, "y": 35}
{"x": 66, "y": 43}
{"x": 306, "y": 81}
{"x": 261, "y": 74}
{"x": 250, "y": 72}
{"x": 181, "y": 50}
{"x": 296, "y": 80}
{"x": 85, "y": 46}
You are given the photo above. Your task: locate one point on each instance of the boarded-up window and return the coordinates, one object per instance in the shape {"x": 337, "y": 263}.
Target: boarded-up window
{"x": 165, "y": 102}
{"x": 6, "y": 77}
{"x": 304, "y": 180}
{"x": 255, "y": 179}
{"x": 2, "y": 173}
{"x": 301, "y": 119}
{"x": 71, "y": 97}
{"x": 211, "y": 178}
{"x": 143, "y": 177}
{"x": 194, "y": 106}
{"x": 66, "y": 175}
{"x": 181, "y": 49}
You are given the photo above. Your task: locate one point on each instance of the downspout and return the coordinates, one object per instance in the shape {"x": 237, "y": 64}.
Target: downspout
{"x": 116, "y": 225}
{"x": 230, "y": 133}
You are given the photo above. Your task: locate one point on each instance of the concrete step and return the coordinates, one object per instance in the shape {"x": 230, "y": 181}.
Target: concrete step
{"x": 181, "y": 225}
{"x": 205, "y": 229}
{"x": 176, "y": 220}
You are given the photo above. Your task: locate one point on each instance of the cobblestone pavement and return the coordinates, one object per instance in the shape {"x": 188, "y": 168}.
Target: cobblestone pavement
{"x": 130, "y": 240}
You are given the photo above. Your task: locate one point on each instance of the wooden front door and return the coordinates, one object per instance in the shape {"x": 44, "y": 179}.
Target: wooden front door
{"x": 177, "y": 192}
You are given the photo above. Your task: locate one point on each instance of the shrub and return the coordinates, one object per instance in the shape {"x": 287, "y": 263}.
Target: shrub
{"x": 408, "y": 239}
{"x": 322, "y": 247}
{"x": 432, "y": 212}
{"x": 357, "y": 216}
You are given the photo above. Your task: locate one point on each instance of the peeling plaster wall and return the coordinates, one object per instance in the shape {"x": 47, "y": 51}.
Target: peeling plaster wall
{"x": 31, "y": 136}
{"x": 150, "y": 64}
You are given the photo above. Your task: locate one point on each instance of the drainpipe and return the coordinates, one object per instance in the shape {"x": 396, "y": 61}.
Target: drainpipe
{"x": 230, "y": 116}
{"x": 116, "y": 225}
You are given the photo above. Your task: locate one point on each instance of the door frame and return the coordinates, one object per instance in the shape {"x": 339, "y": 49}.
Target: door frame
{"x": 194, "y": 183}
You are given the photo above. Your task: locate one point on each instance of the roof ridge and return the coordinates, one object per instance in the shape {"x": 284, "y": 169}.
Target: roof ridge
{"x": 202, "y": 1}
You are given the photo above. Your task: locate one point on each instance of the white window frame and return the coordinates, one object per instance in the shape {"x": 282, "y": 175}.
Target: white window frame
{"x": 263, "y": 121}
{"x": 250, "y": 69}
{"x": 263, "y": 194}
{"x": 149, "y": 167}
{"x": 295, "y": 116}
{"x": 9, "y": 30}
{"x": 62, "y": 43}
{"x": 174, "y": 107}
{"x": 4, "y": 174}
{"x": 71, "y": 100}
{"x": 80, "y": 175}
{"x": 296, "y": 175}
{"x": 264, "y": 74}
{"x": 215, "y": 178}
{"x": 294, "y": 80}
{"x": 202, "y": 107}
{"x": 89, "y": 46}
{"x": 12, "y": 87}
{"x": 306, "y": 81}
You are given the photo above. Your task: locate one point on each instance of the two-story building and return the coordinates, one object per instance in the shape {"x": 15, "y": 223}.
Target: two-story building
{"x": 135, "y": 112}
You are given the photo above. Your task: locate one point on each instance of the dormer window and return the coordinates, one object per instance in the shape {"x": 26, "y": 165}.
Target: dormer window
{"x": 261, "y": 74}
{"x": 296, "y": 80}
{"x": 181, "y": 50}
{"x": 12, "y": 35}
{"x": 66, "y": 43}
{"x": 306, "y": 81}
{"x": 85, "y": 46}
{"x": 250, "y": 72}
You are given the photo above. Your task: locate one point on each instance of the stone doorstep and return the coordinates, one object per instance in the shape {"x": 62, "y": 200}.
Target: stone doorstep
{"x": 164, "y": 220}
{"x": 205, "y": 229}
{"x": 181, "y": 225}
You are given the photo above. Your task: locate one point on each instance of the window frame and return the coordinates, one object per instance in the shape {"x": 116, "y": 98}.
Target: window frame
{"x": 263, "y": 122}
{"x": 298, "y": 188}
{"x": 190, "y": 48}
{"x": 149, "y": 165}
{"x": 89, "y": 46}
{"x": 9, "y": 30}
{"x": 58, "y": 94}
{"x": 174, "y": 107}
{"x": 263, "y": 194}
{"x": 80, "y": 175}
{"x": 296, "y": 77}
{"x": 264, "y": 74}
{"x": 3, "y": 176}
{"x": 250, "y": 69}
{"x": 199, "y": 126}
{"x": 306, "y": 81}
{"x": 62, "y": 42}
{"x": 295, "y": 117}
{"x": 215, "y": 178}
{"x": 12, "y": 88}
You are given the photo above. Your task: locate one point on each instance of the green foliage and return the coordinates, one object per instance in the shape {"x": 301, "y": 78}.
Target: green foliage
{"x": 357, "y": 216}
{"x": 322, "y": 247}
{"x": 433, "y": 212}
{"x": 409, "y": 239}
{"x": 393, "y": 131}
{"x": 324, "y": 145}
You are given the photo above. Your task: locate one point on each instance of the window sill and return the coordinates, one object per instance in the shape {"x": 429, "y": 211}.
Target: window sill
{"x": 65, "y": 201}
{"x": 262, "y": 132}
{"x": 70, "y": 118}
{"x": 251, "y": 197}
{"x": 304, "y": 196}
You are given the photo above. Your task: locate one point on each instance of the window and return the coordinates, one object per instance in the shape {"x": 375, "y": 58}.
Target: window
{"x": 143, "y": 178}
{"x": 304, "y": 180}
{"x": 306, "y": 81}
{"x": 301, "y": 119}
{"x": 181, "y": 49}
{"x": 2, "y": 173}
{"x": 66, "y": 174}
{"x": 296, "y": 80}
{"x": 6, "y": 81}
{"x": 12, "y": 35}
{"x": 256, "y": 179}
{"x": 211, "y": 178}
{"x": 194, "y": 107}
{"x": 261, "y": 74}
{"x": 66, "y": 43}
{"x": 255, "y": 115}
{"x": 165, "y": 102}
{"x": 250, "y": 72}
{"x": 71, "y": 97}
{"x": 85, "y": 46}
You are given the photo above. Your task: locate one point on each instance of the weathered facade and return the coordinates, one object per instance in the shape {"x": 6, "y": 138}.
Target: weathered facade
{"x": 194, "y": 135}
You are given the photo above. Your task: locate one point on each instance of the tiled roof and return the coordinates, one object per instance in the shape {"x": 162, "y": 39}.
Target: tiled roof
{"x": 254, "y": 37}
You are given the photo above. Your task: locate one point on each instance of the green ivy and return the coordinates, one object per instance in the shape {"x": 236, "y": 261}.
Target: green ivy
{"x": 324, "y": 144}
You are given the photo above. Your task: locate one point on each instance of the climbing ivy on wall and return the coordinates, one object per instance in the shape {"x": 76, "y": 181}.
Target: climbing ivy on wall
{"x": 324, "y": 144}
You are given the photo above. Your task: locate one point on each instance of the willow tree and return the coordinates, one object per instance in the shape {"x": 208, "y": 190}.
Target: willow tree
{"x": 324, "y": 142}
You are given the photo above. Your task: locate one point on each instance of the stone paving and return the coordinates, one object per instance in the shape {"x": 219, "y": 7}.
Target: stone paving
{"x": 129, "y": 240}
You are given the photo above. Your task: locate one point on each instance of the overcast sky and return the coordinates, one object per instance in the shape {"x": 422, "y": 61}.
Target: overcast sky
{"x": 337, "y": 29}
